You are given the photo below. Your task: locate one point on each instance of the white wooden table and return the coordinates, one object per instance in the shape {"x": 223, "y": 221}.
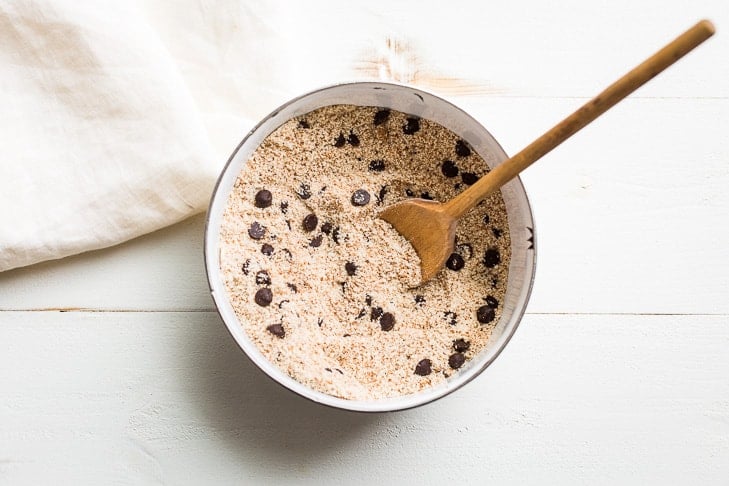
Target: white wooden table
{"x": 115, "y": 368}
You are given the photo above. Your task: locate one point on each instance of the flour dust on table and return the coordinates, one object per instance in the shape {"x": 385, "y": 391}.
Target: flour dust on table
{"x": 327, "y": 291}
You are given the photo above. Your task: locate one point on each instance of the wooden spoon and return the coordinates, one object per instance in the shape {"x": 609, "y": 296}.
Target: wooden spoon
{"x": 430, "y": 226}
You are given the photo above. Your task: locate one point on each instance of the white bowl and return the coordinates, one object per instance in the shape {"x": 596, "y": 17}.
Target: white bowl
{"x": 425, "y": 105}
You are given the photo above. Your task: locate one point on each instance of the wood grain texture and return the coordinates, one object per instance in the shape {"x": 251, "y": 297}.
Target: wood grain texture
{"x": 167, "y": 398}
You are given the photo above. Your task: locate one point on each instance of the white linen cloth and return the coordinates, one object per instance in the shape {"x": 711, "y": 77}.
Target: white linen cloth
{"x": 117, "y": 116}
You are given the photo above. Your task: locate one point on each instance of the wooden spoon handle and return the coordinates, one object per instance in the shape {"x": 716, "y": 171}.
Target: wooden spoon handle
{"x": 598, "y": 105}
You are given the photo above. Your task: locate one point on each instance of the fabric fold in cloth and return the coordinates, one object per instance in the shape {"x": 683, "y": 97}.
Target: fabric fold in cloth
{"x": 101, "y": 140}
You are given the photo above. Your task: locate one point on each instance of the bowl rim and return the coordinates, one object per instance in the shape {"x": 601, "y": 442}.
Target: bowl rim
{"x": 403, "y": 402}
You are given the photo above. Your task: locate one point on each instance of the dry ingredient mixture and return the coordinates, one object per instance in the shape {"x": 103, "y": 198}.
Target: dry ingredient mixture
{"x": 325, "y": 289}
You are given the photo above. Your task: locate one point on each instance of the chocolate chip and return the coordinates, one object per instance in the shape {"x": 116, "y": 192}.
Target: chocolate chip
{"x": 485, "y": 314}
{"x": 496, "y": 232}
{"x": 491, "y": 258}
{"x": 328, "y": 369}
{"x": 335, "y": 235}
{"x": 409, "y": 193}
{"x": 426, "y": 196}
{"x": 319, "y": 322}
{"x": 469, "y": 178}
{"x": 304, "y": 124}
{"x": 263, "y": 199}
{"x": 419, "y": 299}
{"x": 281, "y": 304}
{"x": 310, "y": 222}
{"x": 412, "y": 126}
{"x": 277, "y": 330}
{"x": 375, "y": 313}
{"x": 351, "y": 268}
{"x": 491, "y": 301}
{"x": 450, "y": 316}
{"x": 462, "y": 149}
{"x": 376, "y": 166}
{"x": 256, "y": 231}
{"x": 326, "y": 228}
{"x": 289, "y": 256}
{"x": 316, "y": 241}
{"x": 381, "y": 116}
{"x": 293, "y": 287}
{"x": 456, "y": 360}
{"x": 381, "y": 195}
{"x": 387, "y": 321}
{"x": 361, "y": 314}
{"x": 304, "y": 191}
{"x": 246, "y": 266}
{"x": 353, "y": 139}
{"x": 449, "y": 168}
{"x": 288, "y": 224}
{"x": 455, "y": 262}
{"x": 423, "y": 367}
{"x": 368, "y": 299}
{"x": 263, "y": 297}
{"x": 360, "y": 197}
{"x": 267, "y": 249}
{"x": 263, "y": 278}
{"x": 461, "y": 345}
{"x": 486, "y": 219}
{"x": 284, "y": 207}
{"x": 340, "y": 141}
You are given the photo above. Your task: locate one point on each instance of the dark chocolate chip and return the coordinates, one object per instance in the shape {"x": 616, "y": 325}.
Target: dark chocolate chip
{"x": 339, "y": 371}
{"x": 450, "y": 317}
{"x": 304, "y": 191}
{"x": 326, "y": 228}
{"x": 245, "y": 268}
{"x": 316, "y": 241}
{"x": 263, "y": 297}
{"x": 310, "y": 222}
{"x": 280, "y": 304}
{"x": 263, "y": 278}
{"x": 288, "y": 224}
{"x": 319, "y": 322}
{"x": 263, "y": 199}
{"x": 412, "y": 126}
{"x": 427, "y": 196}
{"x": 277, "y": 330}
{"x": 293, "y": 287}
{"x": 361, "y": 314}
{"x": 368, "y": 299}
{"x": 375, "y": 313}
{"x": 461, "y": 345}
{"x": 284, "y": 207}
{"x": 485, "y": 314}
{"x": 419, "y": 299}
{"x": 491, "y": 258}
{"x": 409, "y": 193}
{"x": 456, "y": 360}
{"x": 328, "y": 369}
{"x": 387, "y": 321}
{"x": 491, "y": 301}
{"x": 267, "y": 249}
{"x": 381, "y": 116}
{"x": 449, "y": 168}
{"x": 381, "y": 195}
{"x": 256, "y": 231}
{"x": 496, "y": 232}
{"x": 346, "y": 335}
{"x": 455, "y": 262}
{"x": 360, "y": 197}
{"x": 353, "y": 139}
{"x": 304, "y": 124}
{"x": 462, "y": 149}
{"x": 340, "y": 141}
{"x": 486, "y": 219}
{"x": 335, "y": 235}
{"x": 376, "y": 166}
{"x": 351, "y": 268}
{"x": 423, "y": 368}
{"x": 469, "y": 178}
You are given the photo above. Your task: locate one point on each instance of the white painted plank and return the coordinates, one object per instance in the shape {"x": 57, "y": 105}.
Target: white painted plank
{"x": 630, "y": 219}
{"x": 166, "y": 398}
